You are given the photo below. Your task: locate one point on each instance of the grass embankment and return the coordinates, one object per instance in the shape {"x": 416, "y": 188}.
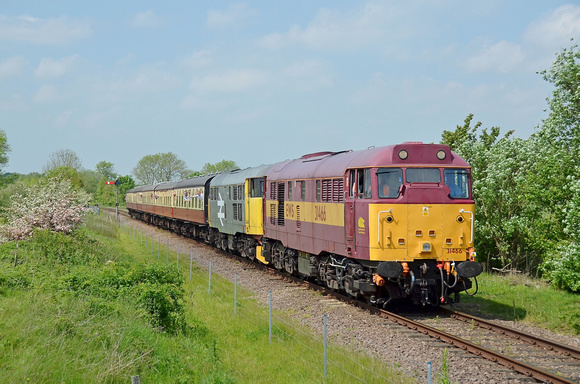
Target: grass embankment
{"x": 520, "y": 298}
{"x": 99, "y": 307}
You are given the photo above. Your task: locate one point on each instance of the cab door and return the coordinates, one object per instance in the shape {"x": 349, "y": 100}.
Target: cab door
{"x": 349, "y": 214}
{"x": 254, "y": 201}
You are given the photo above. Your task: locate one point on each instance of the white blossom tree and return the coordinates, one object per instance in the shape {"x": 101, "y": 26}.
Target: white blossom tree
{"x": 51, "y": 204}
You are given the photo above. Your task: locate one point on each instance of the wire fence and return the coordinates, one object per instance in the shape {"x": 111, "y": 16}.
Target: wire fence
{"x": 294, "y": 340}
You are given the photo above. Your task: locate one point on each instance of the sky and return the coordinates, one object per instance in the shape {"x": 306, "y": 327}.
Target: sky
{"x": 260, "y": 82}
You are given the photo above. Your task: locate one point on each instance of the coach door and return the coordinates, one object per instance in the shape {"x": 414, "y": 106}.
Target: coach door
{"x": 349, "y": 214}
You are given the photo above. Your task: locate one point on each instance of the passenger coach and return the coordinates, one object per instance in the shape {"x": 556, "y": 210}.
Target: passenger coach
{"x": 180, "y": 206}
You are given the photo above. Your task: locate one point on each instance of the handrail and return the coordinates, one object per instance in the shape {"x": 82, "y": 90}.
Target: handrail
{"x": 380, "y": 225}
{"x": 472, "y": 222}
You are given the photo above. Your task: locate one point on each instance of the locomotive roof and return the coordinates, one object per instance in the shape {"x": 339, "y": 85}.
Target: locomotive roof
{"x": 334, "y": 164}
{"x": 239, "y": 176}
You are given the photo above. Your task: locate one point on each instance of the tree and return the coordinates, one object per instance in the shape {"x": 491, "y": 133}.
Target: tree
{"x": 4, "y": 148}
{"x": 527, "y": 192}
{"x": 125, "y": 183}
{"x": 558, "y": 173}
{"x": 497, "y": 168}
{"x": 159, "y": 168}
{"x": 63, "y": 158}
{"x": 222, "y": 166}
{"x": 562, "y": 127}
{"x": 67, "y": 173}
{"x": 106, "y": 170}
{"x": 91, "y": 181}
{"x": 105, "y": 194}
{"x": 52, "y": 204}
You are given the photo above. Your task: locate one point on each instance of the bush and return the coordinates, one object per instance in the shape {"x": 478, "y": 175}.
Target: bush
{"x": 562, "y": 267}
{"x": 60, "y": 248}
{"x": 157, "y": 289}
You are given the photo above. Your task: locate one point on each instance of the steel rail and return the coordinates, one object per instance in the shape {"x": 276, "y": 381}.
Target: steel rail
{"x": 477, "y": 350}
{"x": 552, "y": 345}
{"x": 515, "y": 365}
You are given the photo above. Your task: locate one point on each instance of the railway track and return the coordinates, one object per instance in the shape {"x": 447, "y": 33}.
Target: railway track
{"x": 552, "y": 355}
{"x": 544, "y": 360}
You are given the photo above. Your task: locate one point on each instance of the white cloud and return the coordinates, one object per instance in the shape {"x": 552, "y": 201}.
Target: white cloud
{"x": 502, "y": 57}
{"x": 555, "y": 29}
{"x": 46, "y": 94}
{"x": 308, "y": 75}
{"x": 146, "y": 19}
{"x": 234, "y": 15}
{"x": 13, "y": 66}
{"x": 15, "y": 103}
{"x": 64, "y": 118}
{"x": 375, "y": 92}
{"x": 140, "y": 82}
{"x": 338, "y": 29}
{"x": 236, "y": 80}
{"x": 27, "y": 29}
{"x": 50, "y": 68}
{"x": 199, "y": 59}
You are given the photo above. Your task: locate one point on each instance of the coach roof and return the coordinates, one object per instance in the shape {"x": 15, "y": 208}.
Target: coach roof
{"x": 193, "y": 182}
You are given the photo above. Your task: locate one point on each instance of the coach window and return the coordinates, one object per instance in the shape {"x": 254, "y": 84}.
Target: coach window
{"x": 318, "y": 183}
{"x": 389, "y": 181}
{"x": 458, "y": 182}
{"x": 290, "y": 190}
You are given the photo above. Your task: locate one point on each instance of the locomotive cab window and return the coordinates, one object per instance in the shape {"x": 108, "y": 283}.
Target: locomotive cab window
{"x": 458, "y": 182}
{"x": 423, "y": 175}
{"x": 364, "y": 184}
{"x": 256, "y": 187}
{"x": 389, "y": 181}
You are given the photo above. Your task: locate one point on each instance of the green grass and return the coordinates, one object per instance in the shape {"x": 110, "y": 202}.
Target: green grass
{"x": 520, "y": 298}
{"x": 63, "y": 319}
{"x": 99, "y": 308}
{"x": 243, "y": 341}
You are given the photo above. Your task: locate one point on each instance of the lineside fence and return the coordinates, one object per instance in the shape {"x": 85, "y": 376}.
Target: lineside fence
{"x": 295, "y": 343}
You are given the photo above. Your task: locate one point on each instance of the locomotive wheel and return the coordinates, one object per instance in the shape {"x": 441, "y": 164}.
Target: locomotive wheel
{"x": 290, "y": 265}
{"x": 278, "y": 256}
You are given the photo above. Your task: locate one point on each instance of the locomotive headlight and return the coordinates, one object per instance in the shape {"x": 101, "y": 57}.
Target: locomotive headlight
{"x": 403, "y": 154}
{"x": 441, "y": 155}
{"x": 426, "y": 247}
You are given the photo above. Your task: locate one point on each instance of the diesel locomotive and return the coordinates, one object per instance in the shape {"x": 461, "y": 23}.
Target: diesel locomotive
{"x": 382, "y": 224}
